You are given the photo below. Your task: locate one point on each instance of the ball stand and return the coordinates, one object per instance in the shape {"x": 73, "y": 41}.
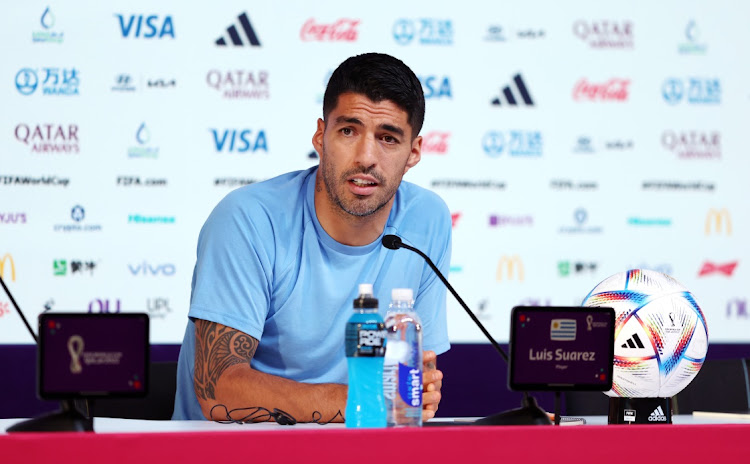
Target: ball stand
{"x": 640, "y": 411}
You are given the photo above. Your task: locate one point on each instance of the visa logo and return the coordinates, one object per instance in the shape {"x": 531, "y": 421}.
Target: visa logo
{"x": 436, "y": 87}
{"x": 147, "y": 269}
{"x": 146, "y": 26}
{"x": 241, "y": 141}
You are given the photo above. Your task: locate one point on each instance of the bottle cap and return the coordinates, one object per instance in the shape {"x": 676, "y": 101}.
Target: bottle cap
{"x": 402, "y": 294}
{"x": 365, "y": 289}
{"x": 365, "y": 300}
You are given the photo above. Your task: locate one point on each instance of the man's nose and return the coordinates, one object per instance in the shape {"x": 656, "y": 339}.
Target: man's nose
{"x": 367, "y": 152}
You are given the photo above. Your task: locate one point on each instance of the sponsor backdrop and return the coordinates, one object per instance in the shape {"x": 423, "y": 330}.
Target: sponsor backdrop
{"x": 570, "y": 141}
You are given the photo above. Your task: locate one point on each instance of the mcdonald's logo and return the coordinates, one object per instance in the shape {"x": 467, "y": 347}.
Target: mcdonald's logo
{"x": 718, "y": 221}
{"x": 8, "y": 259}
{"x": 509, "y": 268}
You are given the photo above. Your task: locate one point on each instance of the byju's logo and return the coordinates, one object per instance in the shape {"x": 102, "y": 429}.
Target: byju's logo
{"x": 718, "y": 221}
{"x": 239, "y": 140}
{"x": 497, "y": 220}
{"x": 63, "y": 267}
{"x": 515, "y": 143}
{"x": 436, "y": 87}
{"x": 693, "y": 144}
{"x": 143, "y": 149}
{"x": 147, "y": 269}
{"x": 343, "y": 30}
{"x": 693, "y": 90}
{"x": 49, "y": 138}
{"x": 509, "y": 96}
{"x": 726, "y": 269}
{"x": 145, "y": 26}
{"x": 581, "y": 217}
{"x": 12, "y": 218}
{"x": 56, "y": 81}
{"x": 693, "y": 45}
{"x": 615, "y": 89}
{"x": 436, "y": 142}
{"x": 234, "y": 35}
{"x": 240, "y": 84}
{"x": 47, "y": 34}
{"x": 509, "y": 268}
{"x": 604, "y": 33}
{"x": 425, "y": 31}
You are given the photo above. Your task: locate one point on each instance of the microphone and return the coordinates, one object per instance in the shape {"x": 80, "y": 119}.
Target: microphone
{"x": 530, "y": 413}
{"x": 69, "y": 418}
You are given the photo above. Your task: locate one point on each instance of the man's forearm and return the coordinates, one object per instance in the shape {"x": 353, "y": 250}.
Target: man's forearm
{"x": 241, "y": 386}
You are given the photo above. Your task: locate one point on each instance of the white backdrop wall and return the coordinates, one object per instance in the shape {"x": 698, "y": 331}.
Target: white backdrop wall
{"x": 124, "y": 123}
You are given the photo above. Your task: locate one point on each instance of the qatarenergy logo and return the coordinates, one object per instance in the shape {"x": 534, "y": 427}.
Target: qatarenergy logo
{"x": 139, "y": 219}
{"x": 28, "y": 180}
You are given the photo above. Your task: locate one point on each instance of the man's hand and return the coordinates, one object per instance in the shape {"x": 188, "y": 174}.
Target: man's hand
{"x": 432, "y": 380}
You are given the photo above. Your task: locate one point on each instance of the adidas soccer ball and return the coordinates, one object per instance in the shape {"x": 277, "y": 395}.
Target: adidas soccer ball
{"x": 661, "y": 337}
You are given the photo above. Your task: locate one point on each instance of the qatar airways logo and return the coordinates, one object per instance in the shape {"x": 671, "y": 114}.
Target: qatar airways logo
{"x": 615, "y": 89}
{"x": 605, "y": 33}
{"x": 343, "y": 30}
{"x": 49, "y": 138}
{"x": 693, "y": 144}
{"x": 436, "y": 142}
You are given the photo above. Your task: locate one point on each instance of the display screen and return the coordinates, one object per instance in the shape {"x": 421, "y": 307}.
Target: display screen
{"x": 84, "y": 355}
{"x": 561, "y": 348}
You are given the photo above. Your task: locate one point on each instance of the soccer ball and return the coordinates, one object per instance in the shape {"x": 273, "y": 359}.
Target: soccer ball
{"x": 661, "y": 337}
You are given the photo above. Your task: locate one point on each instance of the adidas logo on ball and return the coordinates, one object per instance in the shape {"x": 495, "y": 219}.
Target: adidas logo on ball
{"x": 657, "y": 415}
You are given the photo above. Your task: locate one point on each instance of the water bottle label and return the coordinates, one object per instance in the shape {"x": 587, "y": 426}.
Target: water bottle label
{"x": 365, "y": 340}
{"x": 410, "y": 384}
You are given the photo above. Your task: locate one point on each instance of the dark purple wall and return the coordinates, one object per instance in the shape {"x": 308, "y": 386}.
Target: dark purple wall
{"x": 475, "y": 381}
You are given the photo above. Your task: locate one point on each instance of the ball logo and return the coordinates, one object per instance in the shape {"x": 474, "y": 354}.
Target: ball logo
{"x": 615, "y": 89}
{"x": 343, "y": 30}
{"x": 75, "y": 348}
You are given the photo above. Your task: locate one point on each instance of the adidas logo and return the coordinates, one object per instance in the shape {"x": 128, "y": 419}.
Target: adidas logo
{"x": 657, "y": 415}
{"x": 633, "y": 342}
{"x": 509, "y": 96}
{"x": 234, "y": 35}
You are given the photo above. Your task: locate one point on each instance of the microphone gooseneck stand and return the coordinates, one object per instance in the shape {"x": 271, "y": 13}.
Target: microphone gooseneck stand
{"x": 529, "y": 413}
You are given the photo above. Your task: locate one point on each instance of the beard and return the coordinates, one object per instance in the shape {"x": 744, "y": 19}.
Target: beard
{"x": 355, "y": 205}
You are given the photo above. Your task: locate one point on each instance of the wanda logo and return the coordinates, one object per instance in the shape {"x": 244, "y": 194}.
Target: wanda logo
{"x": 613, "y": 90}
{"x": 436, "y": 142}
{"x": 343, "y": 30}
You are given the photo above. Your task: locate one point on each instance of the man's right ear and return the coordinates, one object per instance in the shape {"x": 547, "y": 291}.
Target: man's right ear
{"x": 317, "y": 139}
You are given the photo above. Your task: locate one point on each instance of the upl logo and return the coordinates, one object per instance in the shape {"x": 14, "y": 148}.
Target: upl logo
{"x": 145, "y": 26}
{"x": 239, "y": 140}
{"x": 7, "y": 260}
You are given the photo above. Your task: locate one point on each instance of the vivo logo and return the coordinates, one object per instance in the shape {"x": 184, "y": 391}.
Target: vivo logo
{"x": 146, "y": 269}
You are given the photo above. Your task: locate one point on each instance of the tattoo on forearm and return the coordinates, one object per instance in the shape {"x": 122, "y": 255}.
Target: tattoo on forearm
{"x": 218, "y": 347}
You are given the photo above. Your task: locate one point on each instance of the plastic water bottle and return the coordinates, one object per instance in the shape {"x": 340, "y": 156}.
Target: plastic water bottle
{"x": 402, "y": 378}
{"x": 365, "y": 350}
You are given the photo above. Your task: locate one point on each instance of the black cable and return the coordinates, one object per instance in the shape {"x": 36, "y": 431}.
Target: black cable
{"x": 316, "y": 416}
{"x": 256, "y": 414}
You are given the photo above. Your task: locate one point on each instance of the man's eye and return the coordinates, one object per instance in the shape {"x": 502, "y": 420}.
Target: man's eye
{"x": 389, "y": 139}
{"x": 346, "y": 131}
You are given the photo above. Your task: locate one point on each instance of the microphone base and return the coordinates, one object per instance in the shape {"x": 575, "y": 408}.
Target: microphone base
{"x": 69, "y": 419}
{"x": 529, "y": 414}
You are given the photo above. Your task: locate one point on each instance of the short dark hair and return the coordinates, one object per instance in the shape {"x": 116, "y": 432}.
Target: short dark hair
{"x": 379, "y": 77}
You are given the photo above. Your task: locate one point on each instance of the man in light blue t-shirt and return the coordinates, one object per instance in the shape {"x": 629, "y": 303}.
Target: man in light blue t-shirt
{"x": 279, "y": 262}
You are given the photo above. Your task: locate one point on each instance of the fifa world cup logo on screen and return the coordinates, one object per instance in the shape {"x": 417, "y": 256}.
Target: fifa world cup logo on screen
{"x": 75, "y": 348}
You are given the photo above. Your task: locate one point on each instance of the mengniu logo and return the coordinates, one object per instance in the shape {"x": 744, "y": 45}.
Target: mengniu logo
{"x": 12, "y": 218}
{"x": 145, "y": 26}
{"x": 49, "y": 138}
{"x": 692, "y": 90}
{"x": 8, "y": 267}
{"x": 692, "y": 144}
{"x": 425, "y": 31}
{"x": 143, "y": 149}
{"x": 342, "y": 30}
{"x": 605, "y": 33}
{"x": 239, "y": 140}
{"x": 436, "y": 142}
{"x": 568, "y": 268}
{"x": 234, "y": 34}
{"x": 615, "y": 89}
{"x": 726, "y": 269}
{"x": 509, "y": 96}
{"x": 516, "y": 143}
{"x": 718, "y": 221}
{"x": 147, "y": 269}
{"x": 238, "y": 84}
{"x": 509, "y": 268}
{"x": 54, "y": 81}
{"x": 47, "y": 34}
{"x": 436, "y": 87}
{"x": 64, "y": 267}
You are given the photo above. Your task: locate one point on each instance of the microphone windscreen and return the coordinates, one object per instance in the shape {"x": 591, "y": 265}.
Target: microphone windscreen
{"x": 392, "y": 241}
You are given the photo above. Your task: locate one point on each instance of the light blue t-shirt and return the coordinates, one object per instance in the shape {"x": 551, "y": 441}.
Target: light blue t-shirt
{"x": 266, "y": 267}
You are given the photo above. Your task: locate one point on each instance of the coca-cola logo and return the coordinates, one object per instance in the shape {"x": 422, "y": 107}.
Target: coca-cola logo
{"x": 343, "y": 30}
{"x": 693, "y": 144}
{"x": 615, "y": 89}
{"x": 436, "y": 142}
